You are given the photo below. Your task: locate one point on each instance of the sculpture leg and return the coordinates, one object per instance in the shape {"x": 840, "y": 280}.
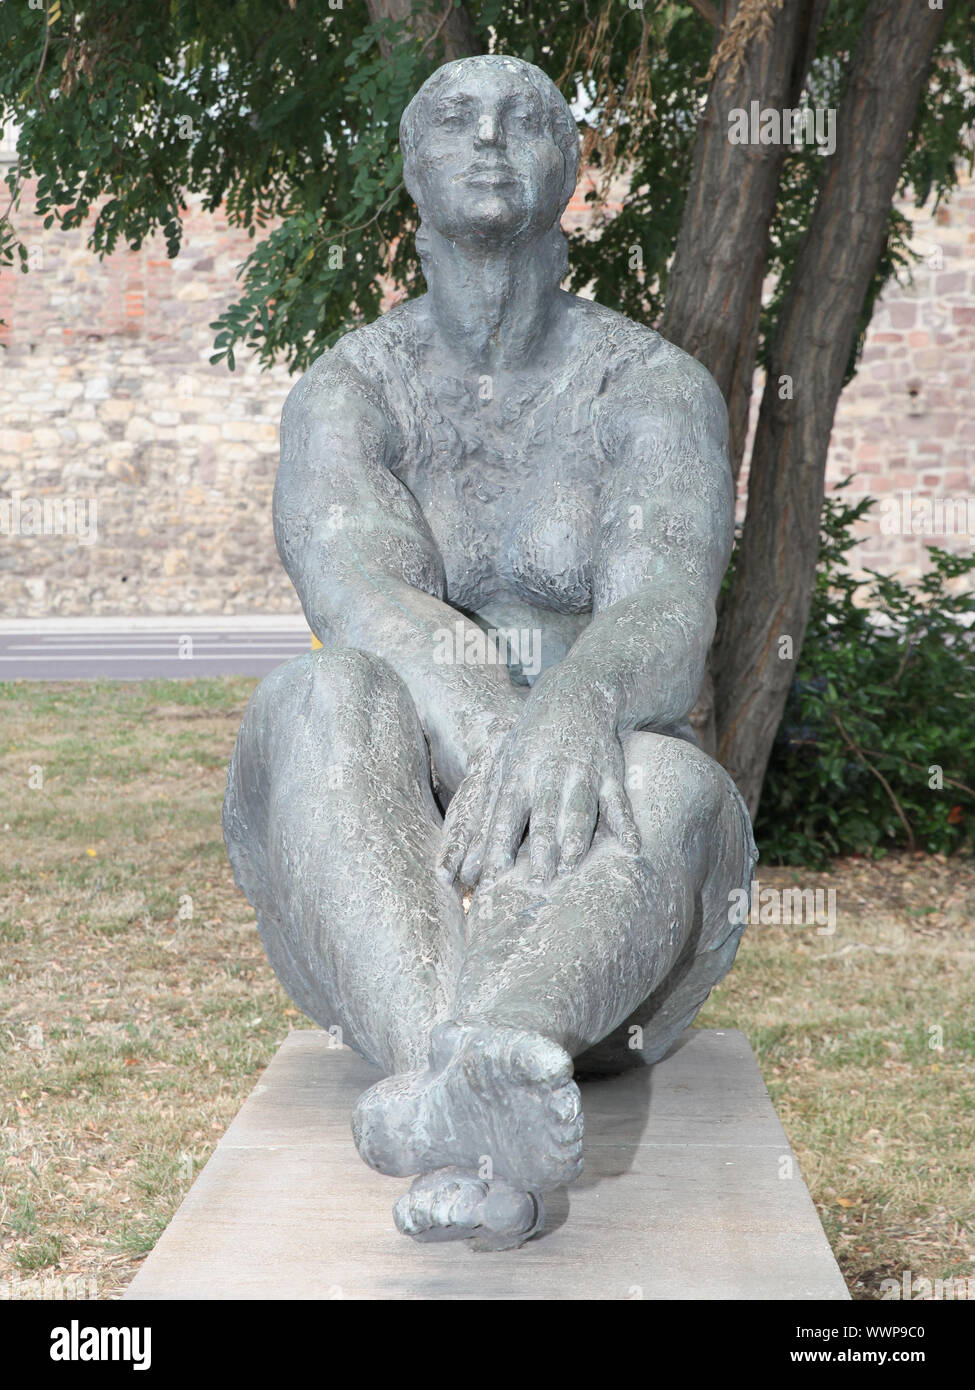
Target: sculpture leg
{"x": 552, "y": 970}
{"x": 606, "y": 939}
{"x": 332, "y": 830}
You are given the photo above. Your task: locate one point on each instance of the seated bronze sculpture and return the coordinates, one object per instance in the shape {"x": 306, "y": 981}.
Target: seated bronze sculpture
{"x": 476, "y": 827}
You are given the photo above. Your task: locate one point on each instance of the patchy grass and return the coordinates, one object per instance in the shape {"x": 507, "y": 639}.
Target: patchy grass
{"x": 138, "y": 1008}
{"x": 866, "y": 1041}
{"x": 136, "y": 1000}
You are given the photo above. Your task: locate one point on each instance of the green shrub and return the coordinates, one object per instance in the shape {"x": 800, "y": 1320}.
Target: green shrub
{"x": 882, "y": 709}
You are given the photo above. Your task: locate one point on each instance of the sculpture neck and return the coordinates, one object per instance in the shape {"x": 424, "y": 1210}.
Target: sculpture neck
{"x": 493, "y": 309}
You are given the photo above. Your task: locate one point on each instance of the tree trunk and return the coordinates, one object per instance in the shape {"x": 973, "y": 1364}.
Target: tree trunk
{"x": 773, "y": 582}
{"x": 452, "y": 23}
{"x": 714, "y": 287}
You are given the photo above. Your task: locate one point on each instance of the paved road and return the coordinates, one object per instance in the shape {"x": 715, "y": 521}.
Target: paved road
{"x": 116, "y": 654}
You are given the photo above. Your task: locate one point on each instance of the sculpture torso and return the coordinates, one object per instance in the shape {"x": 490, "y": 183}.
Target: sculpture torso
{"x": 507, "y": 472}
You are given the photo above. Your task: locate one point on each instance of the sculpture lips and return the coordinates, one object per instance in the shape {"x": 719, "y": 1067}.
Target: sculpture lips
{"x": 490, "y": 176}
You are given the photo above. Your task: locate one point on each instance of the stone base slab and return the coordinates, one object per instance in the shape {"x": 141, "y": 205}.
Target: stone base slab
{"x": 690, "y": 1191}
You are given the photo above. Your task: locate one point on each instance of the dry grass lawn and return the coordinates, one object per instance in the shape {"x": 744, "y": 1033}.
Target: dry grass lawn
{"x": 137, "y": 1008}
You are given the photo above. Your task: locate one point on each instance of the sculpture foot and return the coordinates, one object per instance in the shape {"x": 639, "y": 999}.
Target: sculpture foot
{"x": 497, "y": 1095}
{"x": 450, "y": 1204}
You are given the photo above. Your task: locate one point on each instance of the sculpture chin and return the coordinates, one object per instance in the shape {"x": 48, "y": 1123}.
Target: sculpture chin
{"x": 494, "y": 231}
{"x": 491, "y": 215}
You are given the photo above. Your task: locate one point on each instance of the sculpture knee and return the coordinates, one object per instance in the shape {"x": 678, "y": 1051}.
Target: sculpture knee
{"x": 672, "y": 781}
{"x": 310, "y": 692}
{"x": 338, "y": 676}
{"x": 361, "y": 712}
{"x": 347, "y": 676}
{"x": 688, "y": 810}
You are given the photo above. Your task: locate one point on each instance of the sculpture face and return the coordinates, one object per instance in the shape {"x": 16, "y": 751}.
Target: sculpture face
{"x": 487, "y": 170}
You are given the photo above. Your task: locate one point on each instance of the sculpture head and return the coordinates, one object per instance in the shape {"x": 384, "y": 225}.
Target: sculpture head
{"x": 490, "y": 153}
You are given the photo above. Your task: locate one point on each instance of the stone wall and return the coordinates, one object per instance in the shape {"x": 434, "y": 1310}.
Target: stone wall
{"x": 109, "y": 401}
{"x": 107, "y": 396}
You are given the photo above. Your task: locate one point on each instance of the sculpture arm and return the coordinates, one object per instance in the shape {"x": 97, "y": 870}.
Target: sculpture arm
{"x": 665, "y": 538}
{"x": 365, "y": 564}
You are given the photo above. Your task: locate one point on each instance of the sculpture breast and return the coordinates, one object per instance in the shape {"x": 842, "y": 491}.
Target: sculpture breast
{"x": 508, "y": 482}
{"x": 547, "y": 553}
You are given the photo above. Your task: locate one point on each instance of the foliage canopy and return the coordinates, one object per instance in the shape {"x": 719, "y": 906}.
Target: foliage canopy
{"x": 287, "y": 112}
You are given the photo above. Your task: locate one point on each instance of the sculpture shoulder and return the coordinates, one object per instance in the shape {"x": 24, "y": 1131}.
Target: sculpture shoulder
{"x": 350, "y": 378}
{"x": 620, "y": 341}
{"x": 646, "y": 375}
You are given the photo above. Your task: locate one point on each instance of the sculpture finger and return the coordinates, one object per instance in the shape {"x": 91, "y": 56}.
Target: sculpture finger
{"x": 615, "y": 806}
{"x": 452, "y": 855}
{"x": 464, "y": 816}
{"x": 579, "y": 813}
{"x": 505, "y": 832}
{"x": 466, "y": 821}
{"x": 470, "y": 869}
{"x": 543, "y": 825}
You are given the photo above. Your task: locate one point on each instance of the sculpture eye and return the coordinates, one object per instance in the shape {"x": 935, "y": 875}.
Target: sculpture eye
{"x": 526, "y": 120}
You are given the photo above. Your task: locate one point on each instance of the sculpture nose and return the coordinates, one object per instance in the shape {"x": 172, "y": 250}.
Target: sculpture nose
{"x": 489, "y": 130}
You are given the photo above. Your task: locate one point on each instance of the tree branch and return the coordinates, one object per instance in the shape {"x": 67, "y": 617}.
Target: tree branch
{"x": 706, "y": 10}
{"x": 919, "y": 767}
{"x": 880, "y": 778}
{"x": 17, "y": 178}
{"x": 837, "y": 258}
{"x": 47, "y": 43}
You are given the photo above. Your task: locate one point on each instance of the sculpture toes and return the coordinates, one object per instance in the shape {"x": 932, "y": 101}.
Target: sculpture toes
{"x": 566, "y": 1104}
{"x": 571, "y": 1133}
{"x": 440, "y": 1206}
{"x": 508, "y": 1218}
{"x": 450, "y": 1204}
{"x": 538, "y": 1061}
{"x": 566, "y": 1131}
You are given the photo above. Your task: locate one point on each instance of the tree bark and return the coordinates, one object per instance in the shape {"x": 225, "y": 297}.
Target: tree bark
{"x": 453, "y": 24}
{"x": 774, "y": 578}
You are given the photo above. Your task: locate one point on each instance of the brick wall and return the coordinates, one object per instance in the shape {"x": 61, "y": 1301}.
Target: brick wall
{"x": 906, "y": 423}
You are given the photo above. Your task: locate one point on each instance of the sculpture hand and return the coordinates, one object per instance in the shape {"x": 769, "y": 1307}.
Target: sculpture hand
{"x": 560, "y": 767}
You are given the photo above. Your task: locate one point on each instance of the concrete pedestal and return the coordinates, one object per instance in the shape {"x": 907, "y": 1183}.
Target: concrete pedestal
{"x": 690, "y": 1191}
